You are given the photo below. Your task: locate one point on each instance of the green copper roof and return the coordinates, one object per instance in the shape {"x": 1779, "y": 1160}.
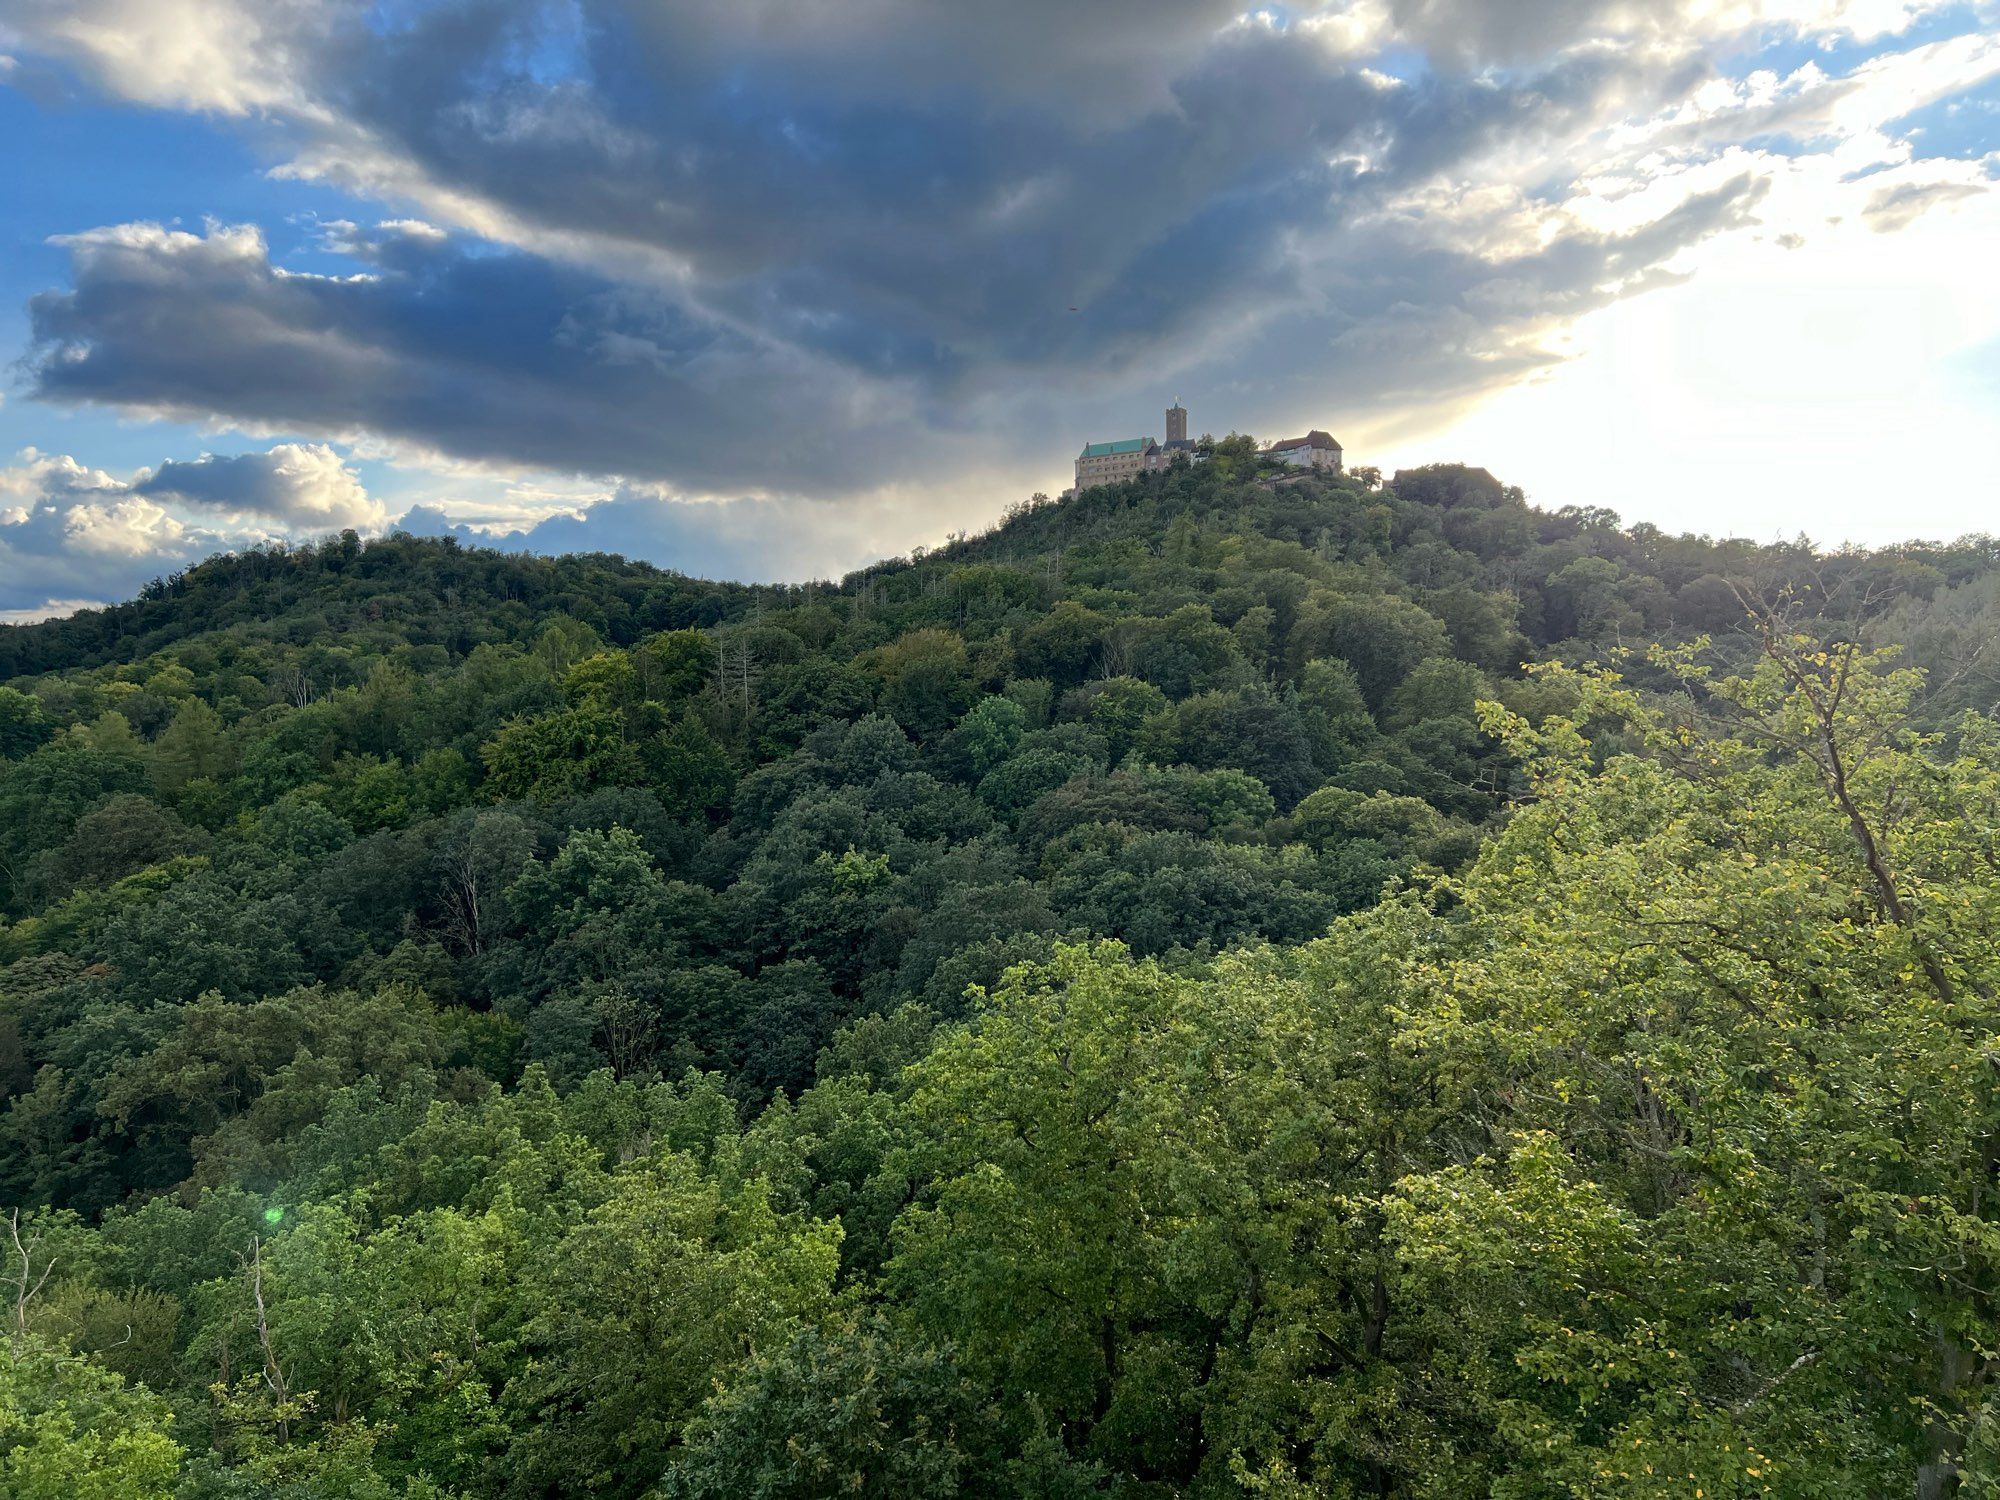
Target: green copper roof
{"x": 1123, "y": 445}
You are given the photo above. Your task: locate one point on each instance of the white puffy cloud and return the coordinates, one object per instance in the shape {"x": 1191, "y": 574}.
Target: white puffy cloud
{"x": 70, "y": 533}
{"x": 67, "y": 530}
{"x": 302, "y": 487}
{"x": 230, "y": 56}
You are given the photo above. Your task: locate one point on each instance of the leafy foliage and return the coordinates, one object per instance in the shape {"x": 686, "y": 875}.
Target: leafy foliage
{"x": 1178, "y": 995}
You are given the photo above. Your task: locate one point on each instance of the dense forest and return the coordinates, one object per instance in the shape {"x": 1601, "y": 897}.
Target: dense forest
{"x": 1235, "y": 982}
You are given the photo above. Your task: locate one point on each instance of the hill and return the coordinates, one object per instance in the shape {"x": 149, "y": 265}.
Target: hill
{"x": 917, "y": 991}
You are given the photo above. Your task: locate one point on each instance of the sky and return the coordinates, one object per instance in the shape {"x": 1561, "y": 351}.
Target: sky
{"x": 769, "y": 290}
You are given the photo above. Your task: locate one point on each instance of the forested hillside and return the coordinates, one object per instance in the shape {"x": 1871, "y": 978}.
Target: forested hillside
{"x": 1180, "y": 994}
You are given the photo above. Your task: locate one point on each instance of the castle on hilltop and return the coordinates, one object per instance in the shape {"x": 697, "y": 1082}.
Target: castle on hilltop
{"x": 1107, "y": 463}
{"x": 1316, "y": 450}
{"x": 1125, "y": 458}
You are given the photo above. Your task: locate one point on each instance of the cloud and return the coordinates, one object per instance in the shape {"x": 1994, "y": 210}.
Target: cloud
{"x": 1899, "y": 206}
{"x": 1840, "y": 386}
{"x": 511, "y": 358}
{"x": 230, "y": 56}
{"x": 745, "y": 540}
{"x": 747, "y": 247}
{"x": 70, "y": 533}
{"x": 1477, "y": 34}
{"x": 69, "y": 530}
{"x": 50, "y": 609}
{"x": 446, "y": 347}
{"x": 574, "y": 70}
{"x": 730, "y": 248}
{"x": 301, "y": 486}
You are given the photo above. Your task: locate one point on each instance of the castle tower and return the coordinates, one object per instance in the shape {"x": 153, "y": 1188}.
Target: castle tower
{"x": 1177, "y": 423}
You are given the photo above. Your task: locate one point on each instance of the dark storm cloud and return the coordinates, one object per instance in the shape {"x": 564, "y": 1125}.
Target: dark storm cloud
{"x": 1099, "y": 59}
{"x": 503, "y": 356}
{"x": 507, "y": 357}
{"x": 813, "y": 259}
{"x": 892, "y": 232}
{"x": 852, "y": 204}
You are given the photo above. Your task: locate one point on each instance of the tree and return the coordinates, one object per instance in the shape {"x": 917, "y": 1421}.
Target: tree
{"x": 124, "y": 833}
{"x": 42, "y": 796}
{"x": 1155, "y": 1211}
{"x": 797, "y": 697}
{"x": 231, "y": 1083}
{"x": 926, "y": 679}
{"x": 1016, "y": 783}
{"x": 660, "y": 1291}
{"x": 1186, "y": 652}
{"x": 1725, "y": 969}
{"x": 1232, "y": 1059}
{"x": 559, "y": 755}
{"x": 1586, "y": 599}
{"x": 1380, "y": 637}
{"x": 475, "y": 863}
{"x": 850, "y": 1409}
{"x": 1438, "y": 688}
{"x": 1254, "y": 730}
{"x": 673, "y": 665}
{"x": 564, "y": 642}
{"x": 1448, "y": 486}
{"x": 1333, "y": 714}
{"x": 70, "y": 1428}
{"x": 198, "y": 934}
{"x": 691, "y": 770}
{"x": 1063, "y": 645}
{"x": 194, "y": 746}
{"x": 989, "y": 734}
{"x": 23, "y": 725}
{"x": 1117, "y": 708}
{"x": 1484, "y": 626}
